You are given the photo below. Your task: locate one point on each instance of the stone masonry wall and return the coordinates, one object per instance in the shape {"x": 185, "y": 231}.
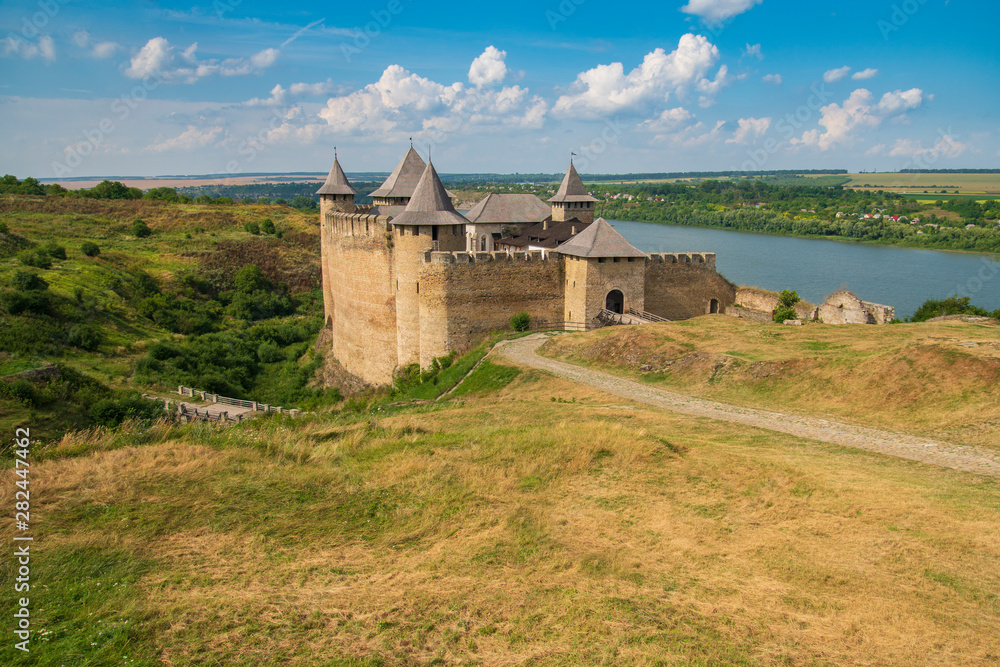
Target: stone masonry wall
{"x": 464, "y": 296}
{"x": 607, "y": 275}
{"x": 681, "y": 285}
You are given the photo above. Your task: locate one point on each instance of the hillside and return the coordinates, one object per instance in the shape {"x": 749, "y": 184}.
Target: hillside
{"x": 523, "y": 520}
{"x": 931, "y": 378}
{"x": 155, "y": 304}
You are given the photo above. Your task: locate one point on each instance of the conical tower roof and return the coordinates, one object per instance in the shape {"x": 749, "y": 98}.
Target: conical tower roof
{"x": 403, "y": 179}
{"x": 336, "y": 182}
{"x": 599, "y": 240}
{"x": 572, "y": 188}
{"x": 430, "y": 203}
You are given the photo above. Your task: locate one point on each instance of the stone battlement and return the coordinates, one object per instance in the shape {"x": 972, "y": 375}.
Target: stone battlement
{"x": 705, "y": 259}
{"x": 436, "y": 257}
{"x": 358, "y": 224}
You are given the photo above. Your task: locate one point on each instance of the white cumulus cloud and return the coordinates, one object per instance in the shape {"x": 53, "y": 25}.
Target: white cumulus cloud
{"x": 749, "y": 129}
{"x": 842, "y": 122}
{"x": 401, "y": 101}
{"x": 669, "y": 120}
{"x": 607, "y": 89}
{"x": 489, "y": 67}
{"x": 100, "y": 50}
{"x": 947, "y": 147}
{"x": 161, "y": 59}
{"x": 835, "y": 75}
{"x": 719, "y": 10}
{"x": 773, "y": 78}
{"x": 864, "y": 74}
{"x": 753, "y": 51}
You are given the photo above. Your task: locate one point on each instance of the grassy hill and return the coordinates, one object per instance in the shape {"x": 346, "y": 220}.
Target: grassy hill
{"x": 157, "y": 306}
{"x": 522, "y": 520}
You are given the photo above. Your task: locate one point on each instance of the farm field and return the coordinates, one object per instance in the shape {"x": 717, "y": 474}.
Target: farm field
{"x": 987, "y": 185}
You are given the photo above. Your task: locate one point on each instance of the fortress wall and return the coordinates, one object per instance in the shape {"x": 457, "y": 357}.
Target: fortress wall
{"x": 575, "y": 286}
{"x": 766, "y": 301}
{"x": 464, "y": 296}
{"x": 358, "y": 276}
{"x": 681, "y": 285}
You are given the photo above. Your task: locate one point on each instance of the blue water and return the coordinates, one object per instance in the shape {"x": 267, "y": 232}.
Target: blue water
{"x": 900, "y": 277}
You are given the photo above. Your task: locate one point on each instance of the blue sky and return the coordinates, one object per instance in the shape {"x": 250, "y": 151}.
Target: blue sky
{"x": 233, "y": 87}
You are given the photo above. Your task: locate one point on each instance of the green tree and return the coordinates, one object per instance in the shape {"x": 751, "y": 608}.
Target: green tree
{"x": 55, "y": 250}
{"x": 520, "y": 322}
{"x": 267, "y": 226}
{"x": 252, "y": 227}
{"x": 250, "y": 279}
{"x": 27, "y": 281}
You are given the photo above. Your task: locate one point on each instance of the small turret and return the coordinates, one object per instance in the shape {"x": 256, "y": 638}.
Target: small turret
{"x": 336, "y": 193}
{"x": 572, "y": 199}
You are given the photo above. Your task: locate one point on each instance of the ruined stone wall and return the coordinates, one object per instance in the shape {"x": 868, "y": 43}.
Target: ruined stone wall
{"x": 465, "y": 296}
{"x": 843, "y": 307}
{"x": 358, "y": 280}
{"x": 766, "y": 301}
{"x": 682, "y": 285}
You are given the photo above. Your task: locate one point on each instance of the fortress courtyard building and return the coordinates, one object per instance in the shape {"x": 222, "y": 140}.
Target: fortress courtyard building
{"x": 408, "y": 278}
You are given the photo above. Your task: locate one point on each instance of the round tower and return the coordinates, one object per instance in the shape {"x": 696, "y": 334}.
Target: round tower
{"x": 336, "y": 193}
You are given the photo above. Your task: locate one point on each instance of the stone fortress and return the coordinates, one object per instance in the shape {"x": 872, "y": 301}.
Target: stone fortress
{"x": 408, "y": 278}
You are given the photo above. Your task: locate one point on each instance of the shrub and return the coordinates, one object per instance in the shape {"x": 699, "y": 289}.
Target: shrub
{"x": 84, "y": 336}
{"x": 954, "y": 305}
{"x": 783, "y": 313}
{"x": 33, "y": 302}
{"x": 35, "y": 257}
{"x": 269, "y": 352}
{"x": 140, "y": 229}
{"x": 22, "y": 390}
{"x": 3, "y": 228}
{"x": 267, "y": 226}
{"x": 90, "y": 249}
{"x": 54, "y": 250}
{"x": 520, "y": 322}
{"x": 252, "y": 227}
{"x": 27, "y": 281}
{"x": 111, "y": 412}
{"x": 250, "y": 279}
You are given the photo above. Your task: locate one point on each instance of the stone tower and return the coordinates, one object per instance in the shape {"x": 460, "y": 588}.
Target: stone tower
{"x": 336, "y": 193}
{"x": 399, "y": 187}
{"x": 429, "y": 222}
{"x": 603, "y": 272}
{"x": 572, "y": 199}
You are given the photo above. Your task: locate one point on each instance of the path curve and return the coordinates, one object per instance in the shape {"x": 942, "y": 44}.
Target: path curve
{"x": 960, "y": 457}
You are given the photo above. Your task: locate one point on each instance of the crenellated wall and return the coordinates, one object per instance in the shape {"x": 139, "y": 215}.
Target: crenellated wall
{"x": 465, "y": 296}
{"x": 684, "y": 285}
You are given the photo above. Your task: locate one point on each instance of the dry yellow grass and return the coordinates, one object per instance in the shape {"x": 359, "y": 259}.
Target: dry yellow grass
{"x": 936, "y": 379}
{"x": 517, "y": 529}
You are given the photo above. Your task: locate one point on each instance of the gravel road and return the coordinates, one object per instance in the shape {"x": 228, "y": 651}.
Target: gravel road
{"x": 970, "y": 459}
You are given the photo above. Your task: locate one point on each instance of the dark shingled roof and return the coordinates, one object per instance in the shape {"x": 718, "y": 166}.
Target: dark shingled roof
{"x": 536, "y": 235}
{"x": 430, "y": 204}
{"x": 599, "y": 240}
{"x": 336, "y": 182}
{"x": 403, "y": 179}
{"x": 509, "y": 208}
{"x": 572, "y": 188}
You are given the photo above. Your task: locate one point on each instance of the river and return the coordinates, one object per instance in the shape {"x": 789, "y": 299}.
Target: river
{"x": 815, "y": 268}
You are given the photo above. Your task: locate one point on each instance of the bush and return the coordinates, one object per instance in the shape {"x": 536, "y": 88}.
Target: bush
{"x": 269, "y": 352}
{"x": 111, "y": 412}
{"x": 90, "y": 249}
{"x": 520, "y": 322}
{"x": 783, "y": 313}
{"x": 267, "y": 226}
{"x": 140, "y": 229}
{"x": 27, "y": 281}
{"x": 84, "y": 336}
{"x": 252, "y": 227}
{"x": 54, "y": 250}
{"x": 34, "y": 302}
{"x": 35, "y": 257}
{"x": 250, "y": 279}
{"x": 954, "y": 305}
{"x": 3, "y": 228}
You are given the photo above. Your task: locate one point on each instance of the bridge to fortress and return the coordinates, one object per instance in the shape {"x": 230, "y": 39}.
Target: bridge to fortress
{"x": 405, "y": 281}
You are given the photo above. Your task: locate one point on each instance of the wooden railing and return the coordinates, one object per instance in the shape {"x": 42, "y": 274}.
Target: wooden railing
{"x": 649, "y": 317}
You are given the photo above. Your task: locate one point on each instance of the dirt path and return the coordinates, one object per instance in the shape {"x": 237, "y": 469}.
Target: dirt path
{"x": 959, "y": 457}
